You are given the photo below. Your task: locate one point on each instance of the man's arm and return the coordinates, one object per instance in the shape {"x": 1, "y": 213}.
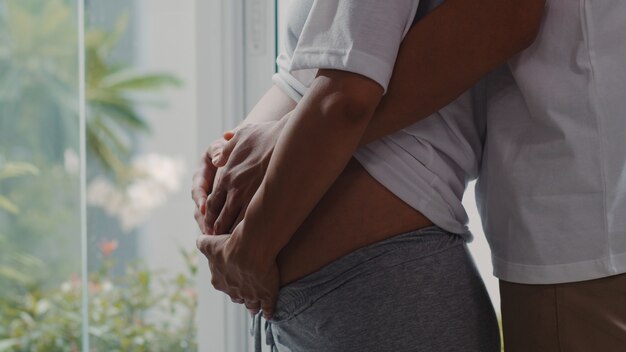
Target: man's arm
{"x": 447, "y": 52}
{"x": 324, "y": 129}
{"x": 271, "y": 108}
{"x": 442, "y": 56}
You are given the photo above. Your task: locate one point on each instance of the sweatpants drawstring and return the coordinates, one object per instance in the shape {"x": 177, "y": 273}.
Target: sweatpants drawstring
{"x": 255, "y": 331}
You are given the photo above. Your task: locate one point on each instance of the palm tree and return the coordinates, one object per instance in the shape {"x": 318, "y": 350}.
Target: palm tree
{"x": 39, "y": 89}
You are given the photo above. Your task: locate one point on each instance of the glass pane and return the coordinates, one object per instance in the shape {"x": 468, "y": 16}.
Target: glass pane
{"x": 40, "y": 236}
{"x": 141, "y": 138}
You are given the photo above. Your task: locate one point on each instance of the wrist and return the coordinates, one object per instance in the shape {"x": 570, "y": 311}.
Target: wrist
{"x": 275, "y": 131}
{"x": 253, "y": 251}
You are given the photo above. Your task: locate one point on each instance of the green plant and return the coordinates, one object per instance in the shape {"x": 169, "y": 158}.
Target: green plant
{"x": 39, "y": 89}
{"x": 14, "y": 266}
{"x": 38, "y": 123}
{"x": 112, "y": 96}
{"x": 122, "y": 313}
{"x": 39, "y": 200}
{"x": 12, "y": 170}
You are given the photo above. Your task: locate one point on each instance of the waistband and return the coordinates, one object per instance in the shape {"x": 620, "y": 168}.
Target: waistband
{"x": 301, "y": 294}
{"x": 410, "y": 246}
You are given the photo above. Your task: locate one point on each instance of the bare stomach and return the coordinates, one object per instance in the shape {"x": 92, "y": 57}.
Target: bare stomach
{"x": 355, "y": 212}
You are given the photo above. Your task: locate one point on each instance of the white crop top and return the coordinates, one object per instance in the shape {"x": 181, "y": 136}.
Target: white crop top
{"x": 428, "y": 164}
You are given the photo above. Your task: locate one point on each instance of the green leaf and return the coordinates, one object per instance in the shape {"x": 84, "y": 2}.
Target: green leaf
{"x": 121, "y": 26}
{"x": 27, "y": 260}
{"x": 99, "y": 125}
{"x": 7, "y": 205}
{"x": 15, "y": 169}
{"x": 132, "y": 80}
{"x": 181, "y": 280}
{"x": 105, "y": 154}
{"x": 8, "y": 344}
{"x": 144, "y": 279}
{"x": 14, "y": 275}
{"x": 120, "y": 112}
{"x": 55, "y": 17}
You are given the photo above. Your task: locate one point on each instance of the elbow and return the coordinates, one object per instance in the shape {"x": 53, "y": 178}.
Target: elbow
{"x": 348, "y": 98}
{"x": 348, "y": 108}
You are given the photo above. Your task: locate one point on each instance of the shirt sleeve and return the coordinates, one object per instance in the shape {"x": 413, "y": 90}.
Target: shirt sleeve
{"x": 359, "y": 36}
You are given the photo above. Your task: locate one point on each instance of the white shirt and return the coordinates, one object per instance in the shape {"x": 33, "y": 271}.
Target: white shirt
{"x": 552, "y": 189}
{"x": 426, "y": 165}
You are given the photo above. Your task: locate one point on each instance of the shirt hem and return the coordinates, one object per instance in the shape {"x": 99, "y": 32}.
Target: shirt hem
{"x": 559, "y": 273}
{"x": 354, "y": 61}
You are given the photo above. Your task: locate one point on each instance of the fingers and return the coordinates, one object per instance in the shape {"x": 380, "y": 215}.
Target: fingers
{"x": 239, "y": 219}
{"x": 200, "y": 220}
{"x": 214, "y": 206}
{"x": 221, "y": 159}
{"x": 267, "y": 305}
{"x": 202, "y": 243}
{"x": 199, "y": 195}
{"x": 228, "y": 135}
{"x": 202, "y": 180}
{"x": 200, "y": 185}
{"x": 215, "y": 151}
{"x": 252, "y": 311}
{"x": 228, "y": 214}
{"x": 253, "y": 306}
{"x": 209, "y": 246}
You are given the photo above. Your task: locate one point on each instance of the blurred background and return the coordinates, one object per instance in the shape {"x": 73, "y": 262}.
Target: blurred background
{"x": 100, "y": 255}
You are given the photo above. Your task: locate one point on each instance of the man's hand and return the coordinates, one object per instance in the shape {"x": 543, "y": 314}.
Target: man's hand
{"x": 254, "y": 283}
{"x": 242, "y": 161}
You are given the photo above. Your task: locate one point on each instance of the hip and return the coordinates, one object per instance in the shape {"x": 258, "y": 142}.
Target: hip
{"x": 355, "y": 212}
{"x": 417, "y": 291}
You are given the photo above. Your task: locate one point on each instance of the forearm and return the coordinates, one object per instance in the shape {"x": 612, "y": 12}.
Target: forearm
{"x": 271, "y": 107}
{"x": 317, "y": 133}
{"x": 447, "y": 52}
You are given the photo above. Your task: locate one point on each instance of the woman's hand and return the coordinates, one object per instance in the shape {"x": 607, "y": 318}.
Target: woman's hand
{"x": 203, "y": 179}
{"x": 246, "y": 278}
{"x": 242, "y": 160}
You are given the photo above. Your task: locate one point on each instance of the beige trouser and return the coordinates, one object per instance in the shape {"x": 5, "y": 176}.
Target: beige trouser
{"x": 586, "y": 316}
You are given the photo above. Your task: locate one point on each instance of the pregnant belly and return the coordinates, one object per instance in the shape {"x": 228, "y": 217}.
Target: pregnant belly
{"x": 355, "y": 212}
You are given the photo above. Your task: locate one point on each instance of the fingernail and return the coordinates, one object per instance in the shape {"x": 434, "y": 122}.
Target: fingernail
{"x": 216, "y": 159}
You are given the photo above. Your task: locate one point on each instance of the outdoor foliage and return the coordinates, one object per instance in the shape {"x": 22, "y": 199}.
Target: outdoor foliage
{"x": 113, "y": 93}
{"x": 40, "y": 306}
{"x": 39, "y": 86}
{"x": 121, "y": 310}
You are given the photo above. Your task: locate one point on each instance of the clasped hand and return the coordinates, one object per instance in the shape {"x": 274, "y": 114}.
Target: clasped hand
{"x": 229, "y": 173}
{"x": 251, "y": 281}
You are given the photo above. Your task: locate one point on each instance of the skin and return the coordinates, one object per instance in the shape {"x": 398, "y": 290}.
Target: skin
{"x": 355, "y": 212}
{"x": 442, "y": 56}
{"x": 325, "y": 129}
{"x": 272, "y": 107}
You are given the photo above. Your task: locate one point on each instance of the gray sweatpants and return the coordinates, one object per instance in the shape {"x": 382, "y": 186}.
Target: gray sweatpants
{"x": 418, "y": 291}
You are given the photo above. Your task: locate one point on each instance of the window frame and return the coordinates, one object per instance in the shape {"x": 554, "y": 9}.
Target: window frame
{"x": 233, "y": 73}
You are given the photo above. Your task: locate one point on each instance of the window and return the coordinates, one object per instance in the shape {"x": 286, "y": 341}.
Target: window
{"x": 106, "y": 249}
